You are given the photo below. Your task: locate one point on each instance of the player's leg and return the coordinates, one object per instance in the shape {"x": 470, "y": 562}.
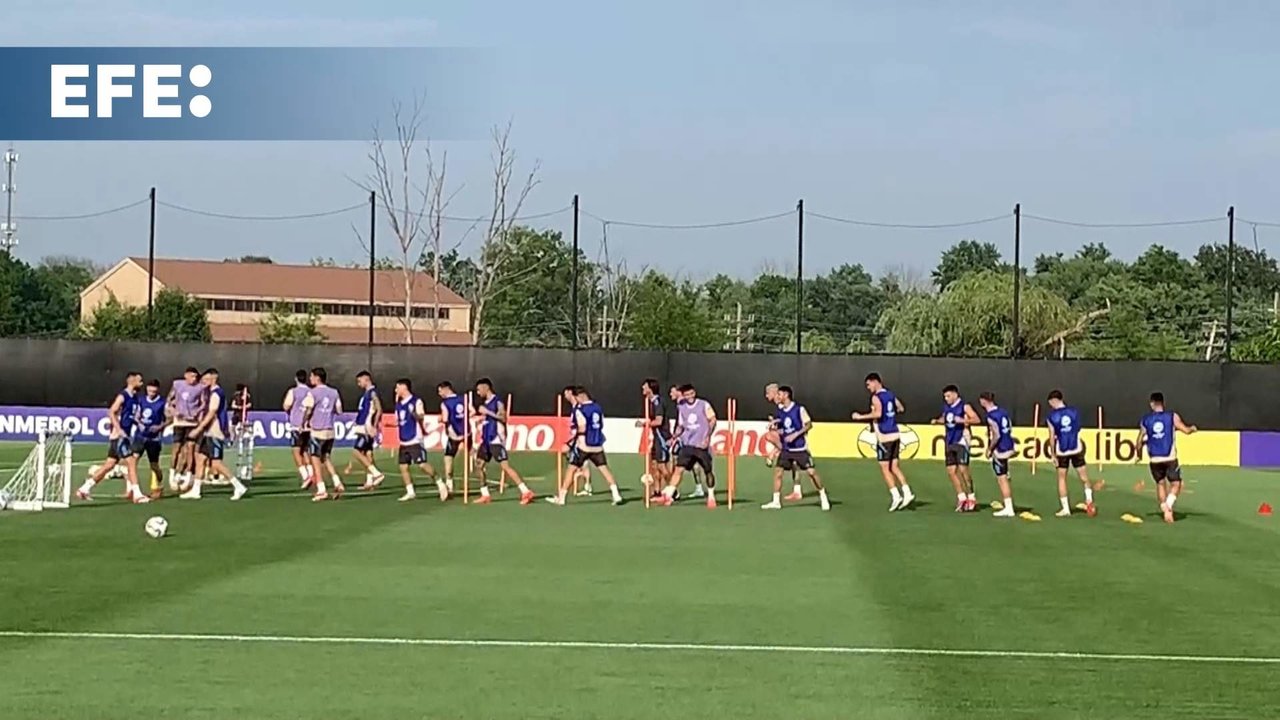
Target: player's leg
{"x": 101, "y": 471}
{"x": 602, "y": 464}
{"x": 683, "y": 461}
{"x": 1083, "y": 473}
{"x": 966, "y": 481}
{"x": 782, "y": 465}
{"x": 363, "y": 453}
{"x": 500, "y": 454}
{"x": 1000, "y": 467}
{"x": 823, "y": 501}
{"x": 1063, "y": 498}
{"x": 774, "y": 439}
{"x": 707, "y": 464}
{"x": 152, "y": 450}
{"x": 953, "y": 474}
{"x": 430, "y": 472}
{"x": 217, "y": 460}
{"x": 326, "y": 457}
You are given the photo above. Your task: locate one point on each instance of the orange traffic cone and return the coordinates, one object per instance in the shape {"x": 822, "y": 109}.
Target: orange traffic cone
{"x": 1264, "y": 509}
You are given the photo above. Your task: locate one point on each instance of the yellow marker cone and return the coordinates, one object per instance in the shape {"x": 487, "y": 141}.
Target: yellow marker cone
{"x": 997, "y": 505}
{"x": 1081, "y": 506}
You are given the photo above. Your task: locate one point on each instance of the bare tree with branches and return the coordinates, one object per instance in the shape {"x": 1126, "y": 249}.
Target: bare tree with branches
{"x": 495, "y": 250}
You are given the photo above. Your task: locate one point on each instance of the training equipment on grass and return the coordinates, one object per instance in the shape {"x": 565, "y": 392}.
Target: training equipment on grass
{"x": 731, "y": 450}
{"x": 244, "y": 441}
{"x": 466, "y": 451}
{"x": 43, "y": 481}
{"x": 1264, "y": 509}
{"x": 1035, "y": 437}
{"x": 156, "y": 527}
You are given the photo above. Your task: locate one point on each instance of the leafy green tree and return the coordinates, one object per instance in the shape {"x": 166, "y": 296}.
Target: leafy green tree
{"x": 177, "y": 317}
{"x": 253, "y": 259}
{"x": 815, "y": 341}
{"x": 458, "y": 273}
{"x": 282, "y": 326}
{"x": 844, "y": 304}
{"x": 966, "y": 256}
{"x": 528, "y": 303}
{"x": 669, "y": 315}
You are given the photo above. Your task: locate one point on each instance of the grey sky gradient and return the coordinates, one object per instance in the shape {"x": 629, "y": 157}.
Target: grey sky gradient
{"x": 679, "y": 112}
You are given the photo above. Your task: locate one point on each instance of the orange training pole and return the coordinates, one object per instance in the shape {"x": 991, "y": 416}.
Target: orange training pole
{"x": 646, "y": 448}
{"x": 506, "y": 426}
{"x": 733, "y": 450}
{"x": 559, "y": 447}
{"x": 1098, "y": 443}
{"x": 1035, "y": 436}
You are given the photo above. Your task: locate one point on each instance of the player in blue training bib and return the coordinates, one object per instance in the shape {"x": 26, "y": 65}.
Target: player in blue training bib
{"x": 1068, "y": 451}
{"x": 1157, "y": 436}
{"x": 367, "y": 429}
{"x": 956, "y": 418}
{"x": 120, "y": 443}
{"x": 1000, "y": 447}
{"x": 793, "y": 424}
{"x": 885, "y": 408}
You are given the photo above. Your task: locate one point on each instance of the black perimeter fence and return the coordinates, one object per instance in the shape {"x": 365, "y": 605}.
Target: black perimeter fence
{"x": 1212, "y": 395}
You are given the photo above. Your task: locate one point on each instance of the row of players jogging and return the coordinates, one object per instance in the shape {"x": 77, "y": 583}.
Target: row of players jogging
{"x": 200, "y": 414}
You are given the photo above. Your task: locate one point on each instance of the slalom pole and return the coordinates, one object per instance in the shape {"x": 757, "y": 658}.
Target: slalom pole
{"x": 1101, "y": 482}
{"x": 506, "y": 427}
{"x": 733, "y": 451}
{"x": 559, "y": 446}
{"x": 646, "y": 452}
{"x": 466, "y": 452}
{"x": 1035, "y": 436}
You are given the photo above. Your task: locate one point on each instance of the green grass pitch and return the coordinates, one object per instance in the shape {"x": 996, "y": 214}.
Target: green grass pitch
{"x": 842, "y": 609}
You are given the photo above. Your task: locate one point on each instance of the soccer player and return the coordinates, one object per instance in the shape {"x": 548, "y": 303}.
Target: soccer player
{"x": 365, "y": 427}
{"x": 411, "y": 416}
{"x": 657, "y": 465}
{"x": 1158, "y": 433}
{"x": 212, "y": 434}
{"x": 695, "y": 422}
{"x": 319, "y": 408}
{"x": 957, "y": 416}
{"x": 299, "y": 438}
{"x": 885, "y": 408}
{"x": 1068, "y": 451}
{"x": 119, "y": 444}
{"x": 677, "y": 398}
{"x": 576, "y": 469}
{"x": 589, "y": 443}
{"x": 150, "y": 420}
{"x": 1000, "y": 448}
{"x": 794, "y": 424}
{"x": 493, "y": 444}
{"x": 771, "y": 435}
{"x": 188, "y": 398}
{"x": 453, "y": 417}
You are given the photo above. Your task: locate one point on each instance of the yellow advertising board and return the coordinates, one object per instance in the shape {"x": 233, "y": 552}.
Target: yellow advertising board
{"x": 1108, "y": 446}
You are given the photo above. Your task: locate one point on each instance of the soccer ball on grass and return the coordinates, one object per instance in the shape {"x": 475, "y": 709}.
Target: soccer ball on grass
{"x": 156, "y": 527}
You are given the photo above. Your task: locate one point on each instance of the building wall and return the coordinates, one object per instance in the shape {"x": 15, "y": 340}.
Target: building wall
{"x": 128, "y": 283}
{"x": 453, "y": 324}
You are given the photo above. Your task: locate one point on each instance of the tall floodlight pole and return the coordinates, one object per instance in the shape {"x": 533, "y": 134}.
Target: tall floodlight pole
{"x": 9, "y": 229}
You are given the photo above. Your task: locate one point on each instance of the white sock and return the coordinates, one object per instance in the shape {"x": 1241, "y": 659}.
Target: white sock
{"x": 524, "y": 489}
{"x": 1088, "y": 494}
{"x": 823, "y": 494}
{"x": 960, "y": 497}
{"x": 304, "y": 472}
{"x": 1170, "y": 499}
{"x": 972, "y": 497}
{"x": 337, "y": 479}
{"x": 1008, "y": 503}
{"x": 1066, "y": 503}
{"x": 613, "y": 489}
{"x": 374, "y": 472}
{"x": 795, "y": 488}
{"x": 906, "y": 489}
{"x": 87, "y": 487}
{"x": 410, "y": 489}
{"x": 235, "y": 485}
{"x": 777, "y": 498}
{"x": 172, "y": 475}
{"x": 897, "y": 496}
{"x": 560, "y": 495}
{"x": 195, "y": 483}
{"x": 320, "y": 485}
{"x": 484, "y": 490}
{"x": 668, "y": 491}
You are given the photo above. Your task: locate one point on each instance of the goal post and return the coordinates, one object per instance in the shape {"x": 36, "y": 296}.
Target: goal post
{"x": 43, "y": 481}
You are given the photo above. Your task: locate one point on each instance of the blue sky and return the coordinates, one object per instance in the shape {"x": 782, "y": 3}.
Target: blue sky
{"x": 689, "y": 112}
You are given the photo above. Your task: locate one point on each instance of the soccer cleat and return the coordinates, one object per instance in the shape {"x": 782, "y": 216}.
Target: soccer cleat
{"x": 587, "y": 489}
{"x": 664, "y": 500}
{"x": 408, "y": 496}
{"x": 794, "y": 497}
{"x": 173, "y": 483}
{"x": 907, "y": 498}
{"x": 583, "y": 493}
{"x": 970, "y": 505}
{"x": 528, "y": 497}
{"x": 157, "y": 493}
{"x": 1005, "y": 512}
{"x": 1168, "y": 513}
{"x": 140, "y": 499}
{"x": 320, "y": 496}
{"x": 824, "y": 503}
{"x": 448, "y": 485}
{"x": 239, "y": 492}
{"x": 961, "y": 506}
{"x": 82, "y": 495}
{"x": 711, "y": 501}
{"x": 444, "y": 492}
{"x": 1063, "y": 513}
{"x": 619, "y": 501}
{"x": 895, "y": 504}
{"x": 482, "y": 500}
{"x": 338, "y": 490}
{"x": 191, "y": 494}
{"x": 699, "y": 491}
{"x": 1091, "y": 509}
{"x": 307, "y": 483}
{"x": 373, "y": 483}
{"x": 771, "y": 506}
{"x": 554, "y": 500}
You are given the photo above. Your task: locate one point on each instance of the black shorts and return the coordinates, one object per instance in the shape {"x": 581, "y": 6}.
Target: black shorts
{"x": 119, "y": 449}
{"x": 889, "y": 451}
{"x": 300, "y": 439}
{"x": 1000, "y": 466}
{"x": 573, "y": 455}
{"x": 364, "y": 443}
{"x": 212, "y": 448}
{"x": 580, "y": 459}
{"x": 412, "y": 455}
{"x": 956, "y": 455}
{"x": 661, "y": 451}
{"x": 151, "y": 448}
{"x": 451, "y": 447}
{"x": 690, "y": 457}
{"x": 321, "y": 448}
{"x": 795, "y": 460}
{"x": 1069, "y": 461}
{"x": 496, "y": 452}
{"x": 180, "y": 433}
{"x": 1169, "y": 470}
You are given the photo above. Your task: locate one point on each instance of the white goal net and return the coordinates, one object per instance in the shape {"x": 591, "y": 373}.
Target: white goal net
{"x": 44, "y": 478}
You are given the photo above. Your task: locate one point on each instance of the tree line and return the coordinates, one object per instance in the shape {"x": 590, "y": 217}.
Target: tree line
{"x": 1089, "y": 304}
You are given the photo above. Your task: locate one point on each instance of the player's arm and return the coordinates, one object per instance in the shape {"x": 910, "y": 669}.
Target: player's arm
{"x": 420, "y": 414}
{"x": 898, "y": 404}
{"x": 1181, "y": 426}
{"x": 210, "y": 414}
{"x": 1140, "y": 443}
{"x": 877, "y": 411}
{"x": 308, "y": 407}
{"x": 971, "y": 416}
{"x": 287, "y": 404}
{"x": 993, "y": 434}
{"x": 114, "y": 413}
{"x": 711, "y": 419}
{"x": 580, "y": 426}
{"x": 1053, "y": 436}
{"x": 806, "y": 423}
